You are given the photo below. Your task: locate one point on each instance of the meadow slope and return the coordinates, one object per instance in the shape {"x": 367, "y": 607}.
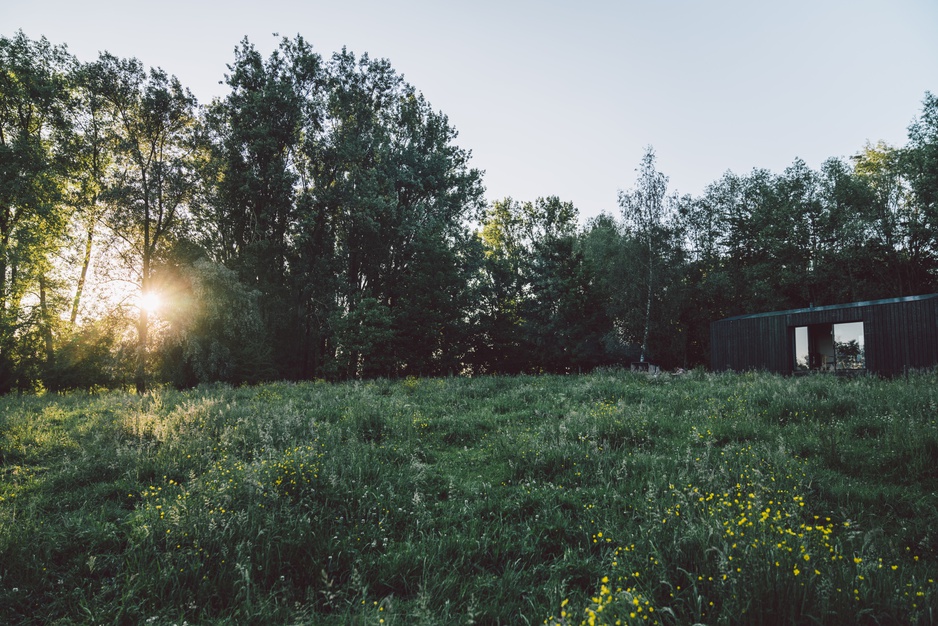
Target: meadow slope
{"x": 600, "y": 498}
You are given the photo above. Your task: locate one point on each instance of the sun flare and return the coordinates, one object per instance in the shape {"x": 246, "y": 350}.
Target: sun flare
{"x": 150, "y": 302}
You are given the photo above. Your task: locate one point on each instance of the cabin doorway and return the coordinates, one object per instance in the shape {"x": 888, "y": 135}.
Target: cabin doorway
{"x": 829, "y": 348}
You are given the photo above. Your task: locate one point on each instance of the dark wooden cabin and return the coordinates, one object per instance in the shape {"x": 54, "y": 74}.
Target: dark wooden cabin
{"x": 886, "y": 337}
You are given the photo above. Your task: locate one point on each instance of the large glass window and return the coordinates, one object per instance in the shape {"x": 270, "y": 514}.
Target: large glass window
{"x": 829, "y": 347}
{"x": 849, "y": 347}
{"x": 802, "y": 363}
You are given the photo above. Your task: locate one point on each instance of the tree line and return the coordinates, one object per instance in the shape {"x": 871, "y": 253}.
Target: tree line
{"x": 320, "y": 221}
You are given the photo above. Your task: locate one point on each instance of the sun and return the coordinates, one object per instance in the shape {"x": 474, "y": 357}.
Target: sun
{"x": 150, "y": 301}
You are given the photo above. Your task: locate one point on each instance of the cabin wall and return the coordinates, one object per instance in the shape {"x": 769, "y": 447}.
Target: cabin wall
{"x": 898, "y": 336}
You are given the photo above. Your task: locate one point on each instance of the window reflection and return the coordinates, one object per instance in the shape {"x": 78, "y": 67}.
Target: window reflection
{"x": 850, "y": 350}
{"x": 801, "y": 349}
{"x": 829, "y": 347}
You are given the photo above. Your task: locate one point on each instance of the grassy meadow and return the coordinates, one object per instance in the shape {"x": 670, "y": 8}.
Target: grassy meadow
{"x": 600, "y": 499}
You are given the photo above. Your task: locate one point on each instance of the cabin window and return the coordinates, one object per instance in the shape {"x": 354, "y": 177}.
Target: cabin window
{"x": 829, "y": 347}
{"x": 802, "y": 363}
{"x": 849, "y": 346}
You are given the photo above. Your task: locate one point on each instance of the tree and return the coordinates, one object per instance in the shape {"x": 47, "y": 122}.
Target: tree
{"x": 334, "y": 186}
{"x": 566, "y": 321}
{"x": 606, "y": 249}
{"x": 919, "y": 162}
{"x": 563, "y": 321}
{"x": 647, "y": 215}
{"x": 249, "y": 218}
{"x": 215, "y": 330}
{"x": 877, "y": 166}
{"x": 850, "y": 271}
{"x": 386, "y": 195}
{"x": 498, "y": 344}
{"x": 91, "y": 150}
{"x": 902, "y": 233}
{"x": 539, "y": 308}
{"x": 34, "y": 123}
{"x": 152, "y": 180}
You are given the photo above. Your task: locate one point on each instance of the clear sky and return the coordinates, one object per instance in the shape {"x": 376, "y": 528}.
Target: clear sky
{"x": 561, "y": 98}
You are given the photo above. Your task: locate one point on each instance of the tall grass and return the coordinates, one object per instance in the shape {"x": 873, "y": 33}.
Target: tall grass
{"x": 601, "y": 498}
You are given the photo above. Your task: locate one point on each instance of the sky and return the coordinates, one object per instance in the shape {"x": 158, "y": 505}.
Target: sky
{"x": 563, "y": 98}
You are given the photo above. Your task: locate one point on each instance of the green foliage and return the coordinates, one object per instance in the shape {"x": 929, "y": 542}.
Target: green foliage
{"x": 649, "y": 219}
{"x": 215, "y": 333}
{"x": 34, "y": 127}
{"x": 538, "y": 307}
{"x": 919, "y": 161}
{"x": 346, "y": 212}
{"x": 153, "y": 178}
{"x": 764, "y": 241}
{"x": 249, "y": 215}
{"x": 364, "y": 334}
{"x": 92, "y": 356}
{"x": 350, "y": 238}
{"x": 565, "y": 322}
{"x": 697, "y": 499}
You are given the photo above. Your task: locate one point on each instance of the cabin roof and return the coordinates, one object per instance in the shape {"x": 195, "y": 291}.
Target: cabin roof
{"x": 834, "y": 307}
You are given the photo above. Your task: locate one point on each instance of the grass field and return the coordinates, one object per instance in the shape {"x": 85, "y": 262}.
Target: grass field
{"x": 601, "y": 498}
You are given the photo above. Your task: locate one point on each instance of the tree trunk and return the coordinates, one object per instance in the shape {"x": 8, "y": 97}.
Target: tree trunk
{"x": 647, "y": 308}
{"x": 143, "y": 321}
{"x": 86, "y": 261}
{"x": 140, "y": 378}
{"x": 4, "y": 285}
{"x": 46, "y": 323}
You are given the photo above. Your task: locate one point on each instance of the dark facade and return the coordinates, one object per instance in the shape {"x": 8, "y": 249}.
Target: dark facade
{"x": 886, "y": 337}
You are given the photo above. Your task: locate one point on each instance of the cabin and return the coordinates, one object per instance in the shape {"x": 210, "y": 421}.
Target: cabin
{"x": 885, "y": 337}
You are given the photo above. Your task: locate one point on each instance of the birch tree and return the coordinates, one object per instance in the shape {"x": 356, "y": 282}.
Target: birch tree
{"x": 646, "y": 214}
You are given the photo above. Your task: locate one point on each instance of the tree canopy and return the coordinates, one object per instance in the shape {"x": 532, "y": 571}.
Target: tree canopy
{"x": 321, "y": 221}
